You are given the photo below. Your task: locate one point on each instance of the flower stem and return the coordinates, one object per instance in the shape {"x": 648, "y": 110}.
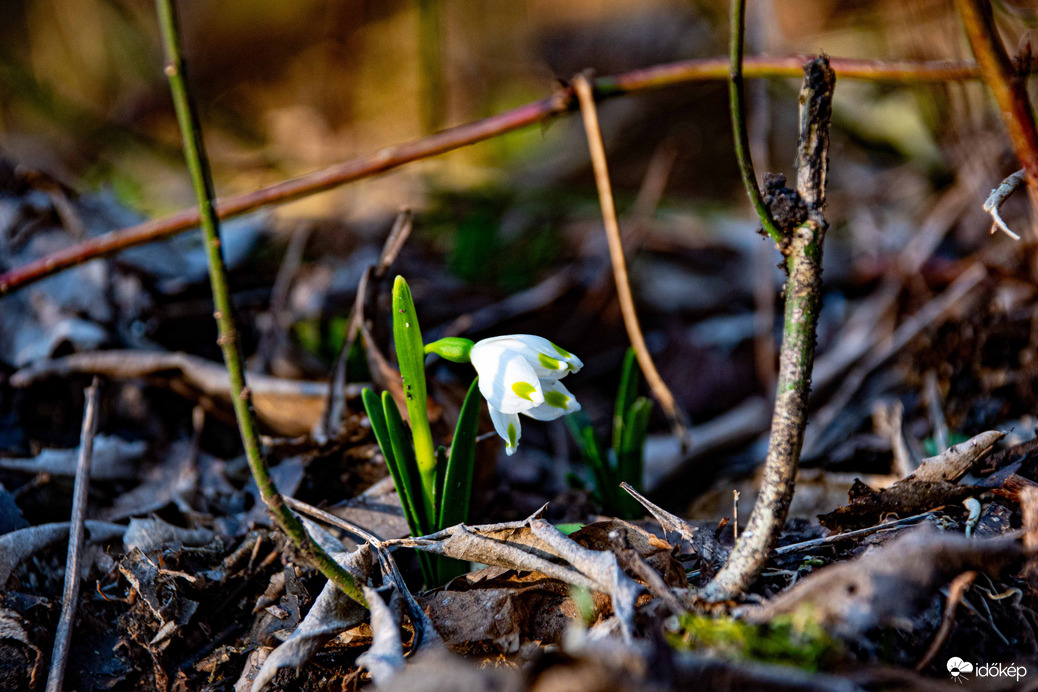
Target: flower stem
{"x": 201, "y": 180}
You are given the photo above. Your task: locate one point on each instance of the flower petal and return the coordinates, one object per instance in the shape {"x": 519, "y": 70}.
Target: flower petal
{"x": 508, "y": 427}
{"x": 506, "y": 380}
{"x": 558, "y": 401}
{"x": 548, "y": 360}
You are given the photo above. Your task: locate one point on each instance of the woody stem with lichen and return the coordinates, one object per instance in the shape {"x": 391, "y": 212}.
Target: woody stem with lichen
{"x": 803, "y": 302}
{"x": 201, "y": 180}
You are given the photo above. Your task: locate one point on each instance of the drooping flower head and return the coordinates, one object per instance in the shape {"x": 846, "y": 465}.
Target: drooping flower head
{"x": 518, "y": 373}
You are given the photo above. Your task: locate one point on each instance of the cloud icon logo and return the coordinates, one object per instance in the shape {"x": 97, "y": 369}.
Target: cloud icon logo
{"x": 957, "y": 667}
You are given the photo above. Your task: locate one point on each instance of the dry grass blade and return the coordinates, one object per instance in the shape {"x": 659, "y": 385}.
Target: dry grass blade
{"x": 582, "y": 87}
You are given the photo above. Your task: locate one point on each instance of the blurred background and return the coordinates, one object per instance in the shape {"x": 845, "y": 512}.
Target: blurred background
{"x": 289, "y": 87}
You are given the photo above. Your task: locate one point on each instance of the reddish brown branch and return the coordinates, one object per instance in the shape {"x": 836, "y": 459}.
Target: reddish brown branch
{"x": 710, "y": 69}
{"x": 1007, "y": 84}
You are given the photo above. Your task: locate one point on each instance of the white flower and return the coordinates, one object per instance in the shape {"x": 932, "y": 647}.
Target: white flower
{"x": 520, "y": 373}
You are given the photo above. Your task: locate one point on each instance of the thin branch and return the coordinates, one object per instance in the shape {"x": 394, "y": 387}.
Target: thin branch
{"x": 659, "y": 388}
{"x": 740, "y": 135}
{"x": 1008, "y": 86}
{"x": 63, "y": 636}
{"x": 241, "y": 397}
{"x": 671, "y": 74}
{"x": 803, "y": 302}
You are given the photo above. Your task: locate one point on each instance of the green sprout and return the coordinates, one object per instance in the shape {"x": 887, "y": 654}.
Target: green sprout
{"x": 434, "y": 485}
{"x": 518, "y": 373}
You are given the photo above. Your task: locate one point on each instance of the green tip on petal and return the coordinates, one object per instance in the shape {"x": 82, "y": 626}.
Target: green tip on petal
{"x": 512, "y": 441}
{"x": 452, "y": 348}
{"x": 557, "y": 400}
{"x": 562, "y": 352}
{"x": 523, "y": 390}
{"x": 549, "y": 362}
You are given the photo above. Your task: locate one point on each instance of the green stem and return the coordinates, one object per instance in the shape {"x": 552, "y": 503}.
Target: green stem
{"x": 739, "y": 131}
{"x": 201, "y": 180}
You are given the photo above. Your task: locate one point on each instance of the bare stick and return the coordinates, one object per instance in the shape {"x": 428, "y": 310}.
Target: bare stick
{"x": 241, "y": 397}
{"x": 1008, "y": 86}
{"x": 63, "y": 636}
{"x": 708, "y": 69}
{"x": 659, "y": 388}
{"x": 803, "y": 301}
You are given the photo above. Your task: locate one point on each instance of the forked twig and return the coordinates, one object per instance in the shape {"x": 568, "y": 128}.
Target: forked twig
{"x": 803, "y": 252}
{"x": 70, "y": 595}
{"x": 241, "y": 396}
{"x": 585, "y": 96}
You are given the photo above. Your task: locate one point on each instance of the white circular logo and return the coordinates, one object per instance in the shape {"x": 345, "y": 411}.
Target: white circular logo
{"x": 957, "y": 668}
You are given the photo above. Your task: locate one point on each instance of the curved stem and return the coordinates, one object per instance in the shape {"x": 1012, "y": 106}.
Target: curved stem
{"x": 201, "y": 180}
{"x": 740, "y": 135}
{"x": 659, "y": 388}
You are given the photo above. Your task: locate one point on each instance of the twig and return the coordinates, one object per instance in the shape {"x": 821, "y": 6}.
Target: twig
{"x": 951, "y": 604}
{"x": 689, "y": 71}
{"x": 332, "y": 520}
{"x": 582, "y": 87}
{"x": 803, "y": 301}
{"x": 63, "y": 636}
{"x": 857, "y": 533}
{"x": 997, "y": 198}
{"x": 740, "y": 135}
{"x": 1008, "y": 86}
{"x": 241, "y": 397}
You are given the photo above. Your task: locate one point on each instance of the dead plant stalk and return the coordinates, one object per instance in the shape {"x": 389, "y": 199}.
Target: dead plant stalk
{"x": 241, "y": 397}
{"x": 588, "y": 110}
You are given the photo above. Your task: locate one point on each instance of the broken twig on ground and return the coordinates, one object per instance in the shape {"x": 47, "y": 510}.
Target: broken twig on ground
{"x": 70, "y": 595}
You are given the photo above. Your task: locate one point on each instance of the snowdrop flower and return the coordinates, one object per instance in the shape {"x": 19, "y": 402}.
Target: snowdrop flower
{"x": 518, "y": 373}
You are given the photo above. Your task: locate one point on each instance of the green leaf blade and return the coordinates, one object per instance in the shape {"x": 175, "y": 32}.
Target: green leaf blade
{"x": 457, "y": 481}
